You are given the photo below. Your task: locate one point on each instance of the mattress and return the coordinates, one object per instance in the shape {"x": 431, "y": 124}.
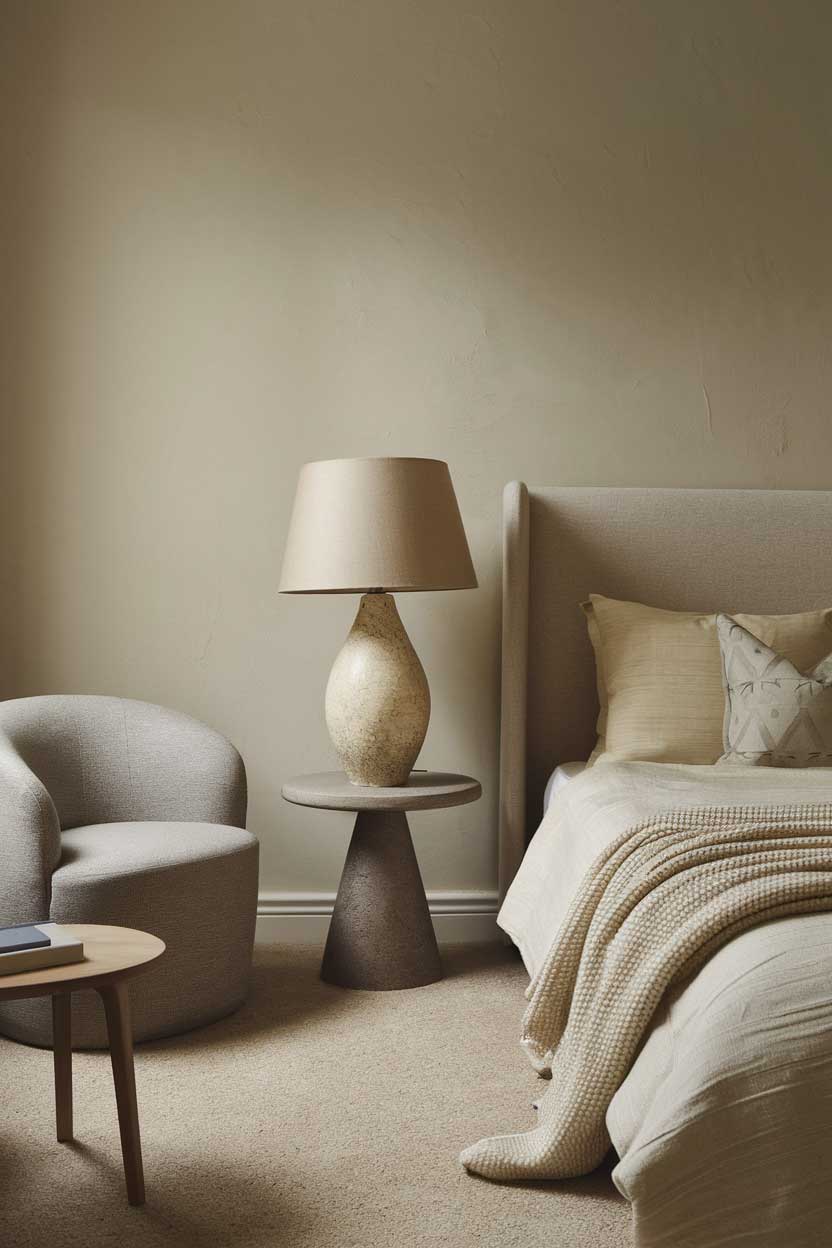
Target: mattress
{"x": 723, "y": 1125}
{"x": 558, "y": 781}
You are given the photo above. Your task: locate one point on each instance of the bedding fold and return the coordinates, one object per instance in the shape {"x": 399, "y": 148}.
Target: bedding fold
{"x": 658, "y": 901}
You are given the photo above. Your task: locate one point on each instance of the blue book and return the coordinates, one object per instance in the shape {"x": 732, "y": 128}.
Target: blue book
{"x": 24, "y": 936}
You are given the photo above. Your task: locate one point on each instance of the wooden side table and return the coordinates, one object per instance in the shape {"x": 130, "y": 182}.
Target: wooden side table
{"x": 381, "y": 935}
{"x": 112, "y": 955}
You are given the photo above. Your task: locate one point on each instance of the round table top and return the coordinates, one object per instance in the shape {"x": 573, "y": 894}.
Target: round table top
{"x": 109, "y": 953}
{"x": 427, "y": 790}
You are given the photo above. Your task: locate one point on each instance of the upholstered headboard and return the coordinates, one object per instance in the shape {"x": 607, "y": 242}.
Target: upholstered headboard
{"x": 761, "y": 551}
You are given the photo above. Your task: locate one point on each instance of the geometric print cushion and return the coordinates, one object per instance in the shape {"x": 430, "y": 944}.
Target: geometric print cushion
{"x": 775, "y": 716}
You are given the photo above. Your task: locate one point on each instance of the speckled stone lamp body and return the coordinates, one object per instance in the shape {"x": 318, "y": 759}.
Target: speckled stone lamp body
{"x": 377, "y": 698}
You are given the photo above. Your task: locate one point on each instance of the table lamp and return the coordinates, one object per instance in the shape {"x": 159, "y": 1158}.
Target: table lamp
{"x": 376, "y": 527}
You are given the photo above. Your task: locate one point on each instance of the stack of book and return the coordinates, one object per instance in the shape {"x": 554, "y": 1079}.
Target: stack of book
{"x": 33, "y": 946}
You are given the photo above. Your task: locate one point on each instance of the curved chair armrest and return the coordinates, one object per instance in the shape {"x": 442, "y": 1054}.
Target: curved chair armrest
{"x": 30, "y": 841}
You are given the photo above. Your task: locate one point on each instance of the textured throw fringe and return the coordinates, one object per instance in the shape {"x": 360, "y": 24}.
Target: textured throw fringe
{"x": 654, "y": 906}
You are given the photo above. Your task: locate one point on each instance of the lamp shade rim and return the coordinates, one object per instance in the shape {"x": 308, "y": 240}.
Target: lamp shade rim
{"x": 377, "y": 459}
{"x": 380, "y": 589}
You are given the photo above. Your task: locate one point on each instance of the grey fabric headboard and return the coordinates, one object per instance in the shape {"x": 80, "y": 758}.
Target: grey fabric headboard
{"x": 761, "y": 551}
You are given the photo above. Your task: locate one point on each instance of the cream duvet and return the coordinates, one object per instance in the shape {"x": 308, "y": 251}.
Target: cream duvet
{"x": 716, "y": 1093}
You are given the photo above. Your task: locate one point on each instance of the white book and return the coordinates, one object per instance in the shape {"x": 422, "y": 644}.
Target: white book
{"x": 63, "y": 947}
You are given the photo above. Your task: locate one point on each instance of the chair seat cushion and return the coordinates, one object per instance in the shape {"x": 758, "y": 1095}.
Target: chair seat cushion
{"x": 119, "y": 849}
{"x": 194, "y": 885}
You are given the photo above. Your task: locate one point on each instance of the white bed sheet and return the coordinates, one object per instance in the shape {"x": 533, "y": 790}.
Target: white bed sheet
{"x": 580, "y": 822}
{"x": 558, "y": 780}
{"x": 723, "y": 1125}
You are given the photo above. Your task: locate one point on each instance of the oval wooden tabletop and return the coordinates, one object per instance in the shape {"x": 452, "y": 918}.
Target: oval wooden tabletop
{"x": 426, "y": 790}
{"x": 109, "y": 953}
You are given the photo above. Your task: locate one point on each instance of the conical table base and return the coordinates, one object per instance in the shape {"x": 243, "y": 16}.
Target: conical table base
{"x": 381, "y": 935}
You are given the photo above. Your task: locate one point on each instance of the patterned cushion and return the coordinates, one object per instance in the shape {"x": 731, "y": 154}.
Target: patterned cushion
{"x": 775, "y": 715}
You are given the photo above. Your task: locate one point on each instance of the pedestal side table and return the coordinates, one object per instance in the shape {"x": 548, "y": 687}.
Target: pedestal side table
{"x": 381, "y": 935}
{"x": 112, "y": 955}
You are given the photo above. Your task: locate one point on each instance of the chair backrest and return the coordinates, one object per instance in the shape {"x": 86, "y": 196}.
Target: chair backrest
{"x": 110, "y": 760}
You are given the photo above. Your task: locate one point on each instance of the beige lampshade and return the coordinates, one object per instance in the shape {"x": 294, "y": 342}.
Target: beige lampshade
{"x": 361, "y": 524}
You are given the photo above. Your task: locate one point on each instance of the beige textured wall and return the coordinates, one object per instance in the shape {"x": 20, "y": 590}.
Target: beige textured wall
{"x": 569, "y": 241}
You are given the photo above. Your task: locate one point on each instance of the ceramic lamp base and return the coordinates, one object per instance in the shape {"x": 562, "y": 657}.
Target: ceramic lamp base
{"x": 377, "y": 698}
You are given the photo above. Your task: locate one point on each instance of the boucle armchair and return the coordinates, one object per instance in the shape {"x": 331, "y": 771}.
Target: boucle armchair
{"x": 115, "y": 811}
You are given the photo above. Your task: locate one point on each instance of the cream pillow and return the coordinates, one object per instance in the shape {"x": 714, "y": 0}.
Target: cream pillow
{"x": 776, "y": 715}
{"x": 660, "y": 680}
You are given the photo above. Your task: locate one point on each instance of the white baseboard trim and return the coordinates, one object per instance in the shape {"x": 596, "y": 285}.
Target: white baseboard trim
{"x": 303, "y": 918}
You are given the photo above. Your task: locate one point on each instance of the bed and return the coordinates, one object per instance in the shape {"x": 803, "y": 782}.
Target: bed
{"x": 723, "y": 1123}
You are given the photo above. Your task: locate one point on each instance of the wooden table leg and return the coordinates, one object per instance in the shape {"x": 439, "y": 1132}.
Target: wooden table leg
{"x": 62, "y": 1054}
{"x": 117, "y": 1010}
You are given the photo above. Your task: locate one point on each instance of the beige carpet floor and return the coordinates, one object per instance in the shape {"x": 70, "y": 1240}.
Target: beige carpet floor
{"x": 313, "y": 1118}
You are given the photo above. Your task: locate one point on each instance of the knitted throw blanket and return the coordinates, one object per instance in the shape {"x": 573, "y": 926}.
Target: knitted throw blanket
{"x": 655, "y": 905}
